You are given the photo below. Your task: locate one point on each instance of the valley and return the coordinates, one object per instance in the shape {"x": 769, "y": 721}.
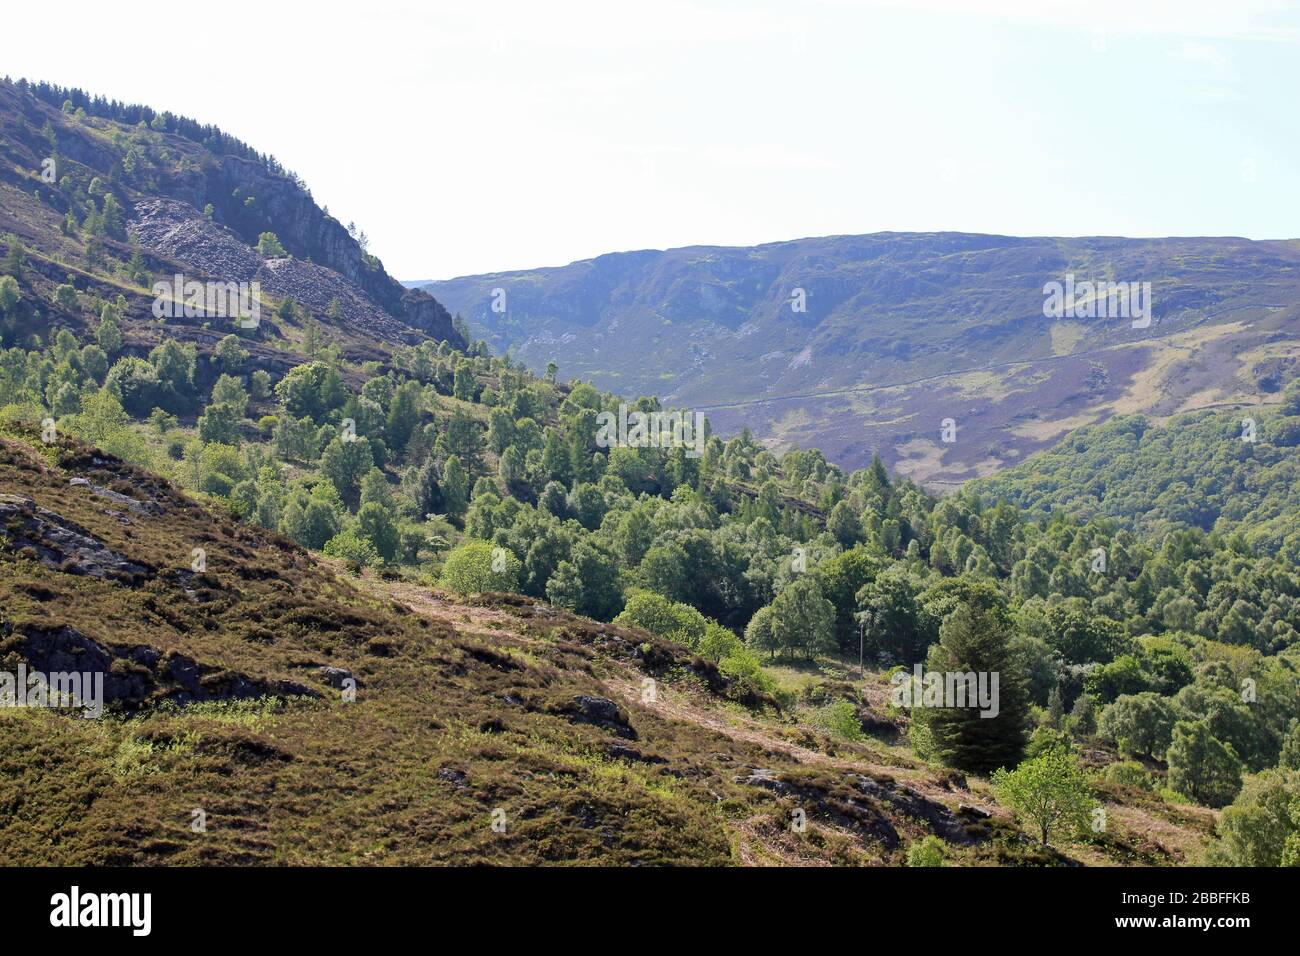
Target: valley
{"x": 382, "y": 577}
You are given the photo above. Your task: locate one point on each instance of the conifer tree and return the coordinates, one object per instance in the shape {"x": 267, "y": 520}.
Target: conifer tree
{"x": 977, "y": 639}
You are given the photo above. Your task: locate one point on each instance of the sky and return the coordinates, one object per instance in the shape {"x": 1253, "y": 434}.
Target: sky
{"x": 491, "y": 135}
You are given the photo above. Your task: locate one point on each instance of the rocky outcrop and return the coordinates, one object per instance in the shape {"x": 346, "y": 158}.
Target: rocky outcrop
{"x": 135, "y": 675}
{"x": 248, "y": 196}
{"x": 61, "y": 545}
{"x": 866, "y": 805}
{"x": 600, "y": 712}
{"x": 176, "y": 231}
{"x": 308, "y": 232}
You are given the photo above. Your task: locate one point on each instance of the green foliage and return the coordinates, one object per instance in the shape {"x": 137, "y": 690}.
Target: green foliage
{"x": 1129, "y": 773}
{"x": 220, "y": 423}
{"x": 352, "y": 546}
{"x": 1262, "y": 826}
{"x": 587, "y": 583}
{"x": 229, "y": 355}
{"x": 743, "y": 666}
{"x": 269, "y": 246}
{"x": 313, "y": 519}
{"x": 310, "y": 391}
{"x": 9, "y": 294}
{"x": 1201, "y": 766}
{"x": 1083, "y": 716}
{"x": 134, "y": 383}
{"x": 840, "y": 718}
{"x": 658, "y": 615}
{"x": 1046, "y": 738}
{"x": 975, "y": 640}
{"x": 109, "y": 332}
{"x": 896, "y": 629}
{"x": 345, "y": 463}
{"x": 927, "y": 851}
{"x": 174, "y": 364}
{"x": 802, "y": 621}
{"x": 1048, "y": 793}
{"x": 841, "y": 578}
{"x": 66, "y": 298}
{"x": 15, "y": 257}
{"x": 1081, "y": 637}
{"x": 219, "y": 468}
{"x": 1192, "y": 472}
{"x": 476, "y": 567}
{"x": 1140, "y": 724}
{"x": 375, "y": 524}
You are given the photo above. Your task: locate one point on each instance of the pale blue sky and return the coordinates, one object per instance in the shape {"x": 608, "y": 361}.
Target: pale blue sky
{"x": 486, "y": 135}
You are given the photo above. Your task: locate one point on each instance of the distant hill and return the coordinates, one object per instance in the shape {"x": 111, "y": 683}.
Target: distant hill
{"x": 902, "y": 331}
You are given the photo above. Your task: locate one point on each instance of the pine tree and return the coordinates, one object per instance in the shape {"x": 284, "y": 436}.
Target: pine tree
{"x": 455, "y": 487}
{"x": 977, "y": 639}
{"x": 15, "y": 257}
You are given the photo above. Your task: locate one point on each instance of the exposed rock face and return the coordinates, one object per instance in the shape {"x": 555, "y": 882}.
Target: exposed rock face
{"x": 178, "y": 232}
{"x": 336, "y": 677}
{"x": 247, "y": 197}
{"x": 309, "y": 233}
{"x": 61, "y": 545}
{"x": 865, "y": 804}
{"x": 137, "y": 674}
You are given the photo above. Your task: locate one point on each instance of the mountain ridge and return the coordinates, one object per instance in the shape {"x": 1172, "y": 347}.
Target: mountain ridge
{"x": 897, "y": 313}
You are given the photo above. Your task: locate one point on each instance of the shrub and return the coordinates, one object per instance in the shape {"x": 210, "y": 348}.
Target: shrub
{"x": 1129, "y": 773}
{"x": 743, "y": 666}
{"x": 670, "y": 619}
{"x": 718, "y": 642}
{"x": 927, "y": 851}
{"x": 353, "y": 548}
{"x": 1048, "y": 793}
{"x": 269, "y": 246}
{"x": 839, "y": 718}
{"x": 476, "y": 566}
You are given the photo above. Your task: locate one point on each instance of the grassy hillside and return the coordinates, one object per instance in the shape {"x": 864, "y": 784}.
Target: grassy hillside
{"x": 226, "y": 700}
{"x": 226, "y": 697}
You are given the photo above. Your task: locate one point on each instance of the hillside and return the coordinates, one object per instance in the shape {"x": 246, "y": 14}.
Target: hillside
{"x": 1193, "y": 471}
{"x": 105, "y": 195}
{"x": 902, "y": 331}
{"x": 228, "y": 687}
